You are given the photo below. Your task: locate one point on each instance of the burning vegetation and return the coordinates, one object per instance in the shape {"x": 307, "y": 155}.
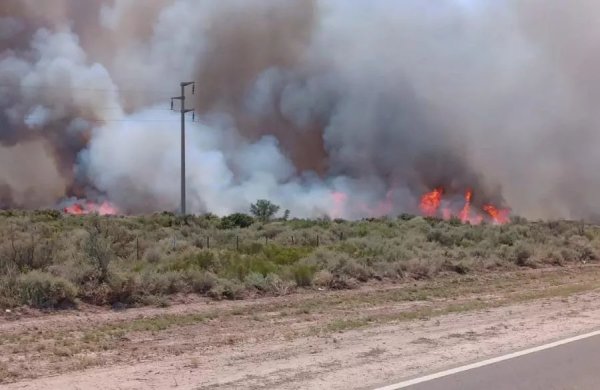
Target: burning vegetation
{"x": 86, "y": 207}
{"x": 433, "y": 204}
{"x": 300, "y": 100}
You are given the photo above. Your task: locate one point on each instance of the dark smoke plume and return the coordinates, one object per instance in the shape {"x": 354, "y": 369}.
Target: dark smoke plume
{"x": 350, "y": 109}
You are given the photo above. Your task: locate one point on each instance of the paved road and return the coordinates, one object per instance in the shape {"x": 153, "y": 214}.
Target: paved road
{"x": 575, "y": 365}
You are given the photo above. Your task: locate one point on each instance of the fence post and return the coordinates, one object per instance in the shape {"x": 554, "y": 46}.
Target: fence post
{"x": 293, "y": 243}
{"x": 237, "y": 243}
{"x": 32, "y": 248}
{"x": 317, "y": 240}
{"x": 137, "y": 248}
{"x": 207, "y": 242}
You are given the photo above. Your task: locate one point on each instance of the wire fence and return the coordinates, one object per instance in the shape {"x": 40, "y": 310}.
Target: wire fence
{"x": 243, "y": 244}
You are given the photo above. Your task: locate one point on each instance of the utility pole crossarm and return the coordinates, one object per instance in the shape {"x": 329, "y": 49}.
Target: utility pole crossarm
{"x": 183, "y": 110}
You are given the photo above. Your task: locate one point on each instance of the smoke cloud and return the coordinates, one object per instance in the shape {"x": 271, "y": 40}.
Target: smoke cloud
{"x": 349, "y": 109}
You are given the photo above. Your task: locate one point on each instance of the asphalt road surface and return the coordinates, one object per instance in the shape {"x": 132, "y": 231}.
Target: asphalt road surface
{"x": 573, "y": 365}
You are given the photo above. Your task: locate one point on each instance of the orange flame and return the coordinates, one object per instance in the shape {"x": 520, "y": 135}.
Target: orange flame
{"x": 498, "y": 216}
{"x": 466, "y": 210}
{"x": 430, "y": 202}
{"x": 104, "y": 208}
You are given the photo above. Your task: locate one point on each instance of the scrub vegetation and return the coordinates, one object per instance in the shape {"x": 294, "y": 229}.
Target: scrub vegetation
{"x": 52, "y": 260}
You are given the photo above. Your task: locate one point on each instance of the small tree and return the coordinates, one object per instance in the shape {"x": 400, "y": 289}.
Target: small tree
{"x": 263, "y": 210}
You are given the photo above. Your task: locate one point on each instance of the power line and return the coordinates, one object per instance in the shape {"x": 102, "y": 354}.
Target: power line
{"x": 121, "y": 108}
{"x": 125, "y": 120}
{"x": 16, "y": 85}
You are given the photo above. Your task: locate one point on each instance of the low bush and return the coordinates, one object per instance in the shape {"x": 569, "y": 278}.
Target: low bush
{"x": 226, "y": 289}
{"x": 303, "y": 275}
{"x": 421, "y": 269}
{"x": 522, "y": 254}
{"x": 255, "y": 280}
{"x": 43, "y": 290}
{"x": 201, "y": 282}
{"x": 358, "y": 271}
{"x": 322, "y": 278}
{"x": 49, "y": 260}
{"x": 238, "y": 220}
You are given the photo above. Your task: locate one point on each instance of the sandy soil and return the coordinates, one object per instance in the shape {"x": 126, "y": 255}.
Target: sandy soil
{"x": 337, "y": 340}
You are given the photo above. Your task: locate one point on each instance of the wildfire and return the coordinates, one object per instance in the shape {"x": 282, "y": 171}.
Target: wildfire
{"x": 436, "y": 203}
{"x": 339, "y": 203}
{"x": 430, "y": 202}
{"x": 497, "y": 215}
{"x": 88, "y": 207}
{"x": 466, "y": 211}
{"x": 432, "y": 205}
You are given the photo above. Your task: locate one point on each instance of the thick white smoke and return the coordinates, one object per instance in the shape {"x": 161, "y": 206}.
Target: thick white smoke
{"x": 323, "y": 106}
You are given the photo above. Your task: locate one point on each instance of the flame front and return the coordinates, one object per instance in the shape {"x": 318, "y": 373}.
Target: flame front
{"x": 466, "y": 211}
{"x": 430, "y": 202}
{"x": 498, "y": 216}
{"x": 88, "y": 207}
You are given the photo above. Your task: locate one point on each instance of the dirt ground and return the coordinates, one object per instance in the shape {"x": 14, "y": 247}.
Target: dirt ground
{"x": 357, "y": 339}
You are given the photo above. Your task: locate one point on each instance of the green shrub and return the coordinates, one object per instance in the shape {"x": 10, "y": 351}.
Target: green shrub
{"x": 43, "y": 290}
{"x": 98, "y": 249}
{"x": 239, "y": 220}
{"x": 357, "y": 271}
{"x": 391, "y": 270}
{"x": 101, "y": 256}
{"x": 323, "y": 278}
{"x": 201, "y": 282}
{"x": 554, "y": 259}
{"x": 202, "y": 260}
{"x": 160, "y": 283}
{"x": 226, "y": 289}
{"x": 238, "y": 267}
{"x": 421, "y": 269}
{"x": 521, "y": 255}
{"x": 125, "y": 288}
{"x": 344, "y": 282}
{"x": 507, "y": 238}
{"x": 568, "y": 254}
{"x": 152, "y": 255}
{"x": 252, "y": 248}
{"x": 9, "y": 290}
{"x": 303, "y": 275}
{"x": 255, "y": 280}
{"x": 277, "y": 286}
{"x": 444, "y": 237}
{"x": 270, "y": 284}
{"x": 282, "y": 255}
